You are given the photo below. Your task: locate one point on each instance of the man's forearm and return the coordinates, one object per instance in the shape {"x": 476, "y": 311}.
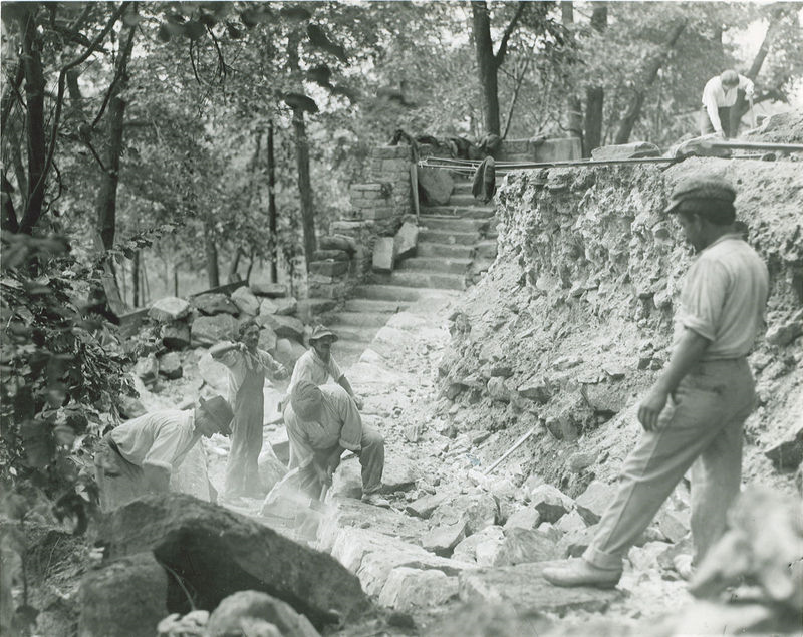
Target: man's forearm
{"x": 344, "y": 383}
{"x": 689, "y": 351}
{"x": 221, "y": 348}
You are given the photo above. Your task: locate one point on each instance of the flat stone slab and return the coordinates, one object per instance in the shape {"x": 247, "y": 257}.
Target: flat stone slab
{"x": 524, "y": 587}
{"x": 356, "y": 514}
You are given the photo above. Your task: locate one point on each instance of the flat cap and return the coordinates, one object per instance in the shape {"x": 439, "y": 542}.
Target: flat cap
{"x": 704, "y": 187}
{"x": 319, "y": 331}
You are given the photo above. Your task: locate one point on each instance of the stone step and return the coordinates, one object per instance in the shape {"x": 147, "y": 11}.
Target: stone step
{"x": 429, "y": 249}
{"x": 466, "y": 212}
{"x": 441, "y": 222}
{"x": 357, "y": 319}
{"x": 436, "y": 264}
{"x": 384, "y": 292}
{"x": 464, "y": 199}
{"x": 373, "y": 306}
{"x": 449, "y": 237}
{"x": 415, "y": 279}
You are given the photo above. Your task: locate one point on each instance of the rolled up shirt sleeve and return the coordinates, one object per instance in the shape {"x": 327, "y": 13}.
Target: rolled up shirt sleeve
{"x": 351, "y": 432}
{"x": 747, "y": 84}
{"x": 269, "y": 364}
{"x": 703, "y": 298}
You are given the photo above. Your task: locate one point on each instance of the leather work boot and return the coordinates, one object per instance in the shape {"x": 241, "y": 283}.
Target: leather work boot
{"x": 578, "y": 572}
{"x": 374, "y": 499}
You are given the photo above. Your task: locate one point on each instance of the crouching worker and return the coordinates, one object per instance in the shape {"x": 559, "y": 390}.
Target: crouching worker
{"x": 321, "y": 423}
{"x": 138, "y": 457}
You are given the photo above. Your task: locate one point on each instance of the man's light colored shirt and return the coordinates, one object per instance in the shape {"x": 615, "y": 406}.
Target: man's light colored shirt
{"x": 311, "y": 367}
{"x": 339, "y": 423}
{"x": 724, "y": 298}
{"x": 240, "y": 362}
{"x": 160, "y": 438}
{"x": 715, "y": 97}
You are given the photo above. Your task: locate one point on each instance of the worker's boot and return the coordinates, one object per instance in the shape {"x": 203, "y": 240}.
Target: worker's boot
{"x": 578, "y": 572}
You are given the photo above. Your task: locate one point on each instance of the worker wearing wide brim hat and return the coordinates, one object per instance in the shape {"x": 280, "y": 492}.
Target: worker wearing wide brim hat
{"x": 138, "y": 457}
{"x": 318, "y": 366}
{"x": 693, "y": 416}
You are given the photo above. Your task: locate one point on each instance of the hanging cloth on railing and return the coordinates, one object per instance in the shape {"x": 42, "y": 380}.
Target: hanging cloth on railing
{"x": 484, "y": 184}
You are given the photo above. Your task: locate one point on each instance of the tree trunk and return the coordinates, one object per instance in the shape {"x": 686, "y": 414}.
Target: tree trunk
{"x": 742, "y": 105}
{"x": 274, "y": 253}
{"x": 595, "y": 95}
{"x": 35, "y": 121}
{"x": 574, "y": 107}
{"x": 486, "y": 65}
{"x": 648, "y": 77}
{"x": 135, "y": 280}
{"x": 304, "y": 183}
{"x": 210, "y": 248}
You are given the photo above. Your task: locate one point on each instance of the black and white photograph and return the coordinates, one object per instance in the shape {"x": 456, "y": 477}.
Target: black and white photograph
{"x": 401, "y": 318}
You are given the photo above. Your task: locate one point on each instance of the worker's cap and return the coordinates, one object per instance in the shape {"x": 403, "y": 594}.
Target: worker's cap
{"x": 305, "y": 399}
{"x": 708, "y": 187}
{"x": 319, "y": 332}
{"x": 219, "y": 410}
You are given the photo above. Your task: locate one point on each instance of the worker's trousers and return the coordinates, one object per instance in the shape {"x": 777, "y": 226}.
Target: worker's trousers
{"x": 372, "y": 463}
{"x": 701, "y": 427}
{"x": 707, "y": 127}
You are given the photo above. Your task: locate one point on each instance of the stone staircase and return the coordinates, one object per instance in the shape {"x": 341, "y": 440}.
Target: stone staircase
{"x": 456, "y": 243}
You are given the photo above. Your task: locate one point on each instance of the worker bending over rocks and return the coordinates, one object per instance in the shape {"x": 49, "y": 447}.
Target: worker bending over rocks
{"x": 321, "y": 423}
{"x": 138, "y": 457}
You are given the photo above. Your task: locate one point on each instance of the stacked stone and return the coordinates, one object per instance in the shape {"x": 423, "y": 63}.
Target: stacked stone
{"x": 330, "y": 267}
{"x": 208, "y": 318}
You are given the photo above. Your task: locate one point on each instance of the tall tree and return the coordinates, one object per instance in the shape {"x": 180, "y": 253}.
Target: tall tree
{"x": 595, "y": 94}
{"x": 488, "y": 62}
{"x": 648, "y": 76}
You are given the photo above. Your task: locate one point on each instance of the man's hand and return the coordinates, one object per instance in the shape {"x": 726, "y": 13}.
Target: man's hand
{"x": 651, "y": 407}
{"x": 721, "y": 134}
{"x": 281, "y": 372}
{"x": 324, "y": 476}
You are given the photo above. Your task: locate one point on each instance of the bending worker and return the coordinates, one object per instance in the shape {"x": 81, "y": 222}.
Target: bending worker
{"x": 138, "y": 457}
{"x": 693, "y": 416}
{"x": 719, "y": 96}
{"x": 321, "y": 423}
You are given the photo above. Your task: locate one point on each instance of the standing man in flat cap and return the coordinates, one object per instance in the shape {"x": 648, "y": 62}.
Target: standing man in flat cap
{"x": 317, "y": 364}
{"x": 321, "y": 423}
{"x": 694, "y": 413}
{"x": 719, "y": 96}
{"x": 138, "y": 457}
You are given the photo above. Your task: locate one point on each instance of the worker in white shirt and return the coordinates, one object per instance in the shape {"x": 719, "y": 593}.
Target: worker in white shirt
{"x": 719, "y": 96}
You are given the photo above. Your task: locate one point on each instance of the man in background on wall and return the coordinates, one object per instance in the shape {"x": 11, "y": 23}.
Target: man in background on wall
{"x": 138, "y": 457}
{"x": 719, "y": 96}
{"x": 693, "y": 415}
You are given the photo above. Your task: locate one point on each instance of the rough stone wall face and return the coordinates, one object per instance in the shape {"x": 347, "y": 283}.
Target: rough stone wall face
{"x": 579, "y": 307}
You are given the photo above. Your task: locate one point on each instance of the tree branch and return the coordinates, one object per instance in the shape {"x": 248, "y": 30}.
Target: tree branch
{"x": 62, "y": 81}
{"x": 11, "y": 91}
{"x": 500, "y": 54}
{"x": 116, "y": 78}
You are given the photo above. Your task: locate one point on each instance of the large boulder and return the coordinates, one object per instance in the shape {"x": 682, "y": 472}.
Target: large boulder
{"x": 123, "y": 598}
{"x": 383, "y": 255}
{"x": 519, "y": 546}
{"x": 241, "y": 612}
{"x": 217, "y": 553}
{"x": 213, "y": 303}
{"x": 405, "y": 241}
{"x": 246, "y": 300}
{"x": 480, "y": 510}
{"x": 175, "y": 335}
{"x": 594, "y": 500}
{"x": 271, "y": 290}
{"x": 287, "y": 352}
{"x": 215, "y": 373}
{"x": 284, "y": 326}
{"x": 550, "y": 503}
{"x": 209, "y": 330}
{"x": 407, "y": 589}
{"x": 170, "y": 366}
{"x": 169, "y": 309}
{"x": 435, "y": 185}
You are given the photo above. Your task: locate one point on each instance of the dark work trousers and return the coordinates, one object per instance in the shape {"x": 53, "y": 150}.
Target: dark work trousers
{"x": 372, "y": 461}
{"x": 706, "y": 127}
